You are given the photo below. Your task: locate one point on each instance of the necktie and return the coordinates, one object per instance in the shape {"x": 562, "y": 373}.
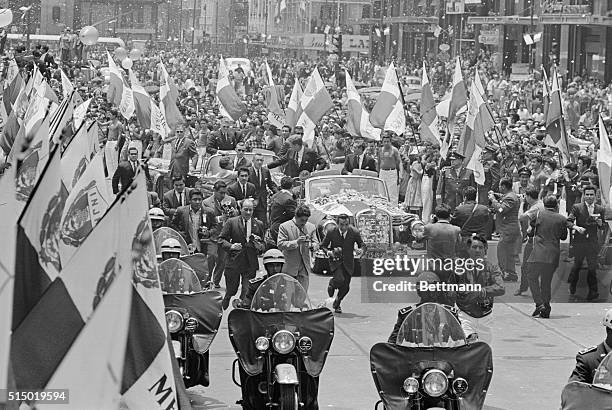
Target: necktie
{"x": 244, "y": 194}
{"x": 181, "y": 199}
{"x": 134, "y": 166}
{"x": 258, "y": 176}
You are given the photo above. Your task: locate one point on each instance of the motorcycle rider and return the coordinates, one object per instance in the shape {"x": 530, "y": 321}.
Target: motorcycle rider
{"x": 170, "y": 248}
{"x": 475, "y": 307}
{"x": 273, "y": 262}
{"x": 587, "y": 360}
{"x": 441, "y": 298}
{"x": 158, "y": 218}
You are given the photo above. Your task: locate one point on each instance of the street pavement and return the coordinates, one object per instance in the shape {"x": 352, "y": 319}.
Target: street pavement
{"x": 533, "y": 358}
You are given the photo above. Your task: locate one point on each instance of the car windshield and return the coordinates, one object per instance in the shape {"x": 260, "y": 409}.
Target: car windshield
{"x": 177, "y": 277}
{"x": 431, "y": 324}
{"x": 357, "y": 186}
{"x": 603, "y": 375}
{"x": 163, "y": 233}
{"x": 280, "y": 293}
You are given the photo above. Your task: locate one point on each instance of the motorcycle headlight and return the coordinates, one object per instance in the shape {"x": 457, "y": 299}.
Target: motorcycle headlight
{"x": 191, "y": 324}
{"x": 283, "y": 341}
{"x": 460, "y": 386}
{"x": 262, "y": 343}
{"x": 174, "y": 320}
{"x": 435, "y": 383}
{"x": 411, "y": 385}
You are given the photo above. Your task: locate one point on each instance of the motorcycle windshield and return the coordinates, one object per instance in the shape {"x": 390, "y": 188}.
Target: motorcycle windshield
{"x": 280, "y": 293}
{"x": 392, "y": 364}
{"x": 178, "y": 277}
{"x": 205, "y": 307}
{"x": 603, "y": 375}
{"x": 245, "y": 326}
{"x": 429, "y": 325}
{"x": 584, "y": 396}
{"x": 163, "y": 233}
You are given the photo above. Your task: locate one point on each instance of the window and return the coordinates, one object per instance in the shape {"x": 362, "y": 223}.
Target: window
{"x": 56, "y": 14}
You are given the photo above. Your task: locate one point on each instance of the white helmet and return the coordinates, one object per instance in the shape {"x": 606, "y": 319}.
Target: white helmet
{"x": 607, "y": 319}
{"x": 156, "y": 214}
{"x": 171, "y": 245}
{"x": 273, "y": 256}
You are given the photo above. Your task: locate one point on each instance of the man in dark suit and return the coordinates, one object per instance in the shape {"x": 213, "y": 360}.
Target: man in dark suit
{"x": 179, "y": 196}
{"x": 242, "y": 189}
{"x": 298, "y": 159}
{"x": 506, "y": 207}
{"x": 183, "y": 150}
{"x": 550, "y": 228}
{"x": 124, "y": 174}
{"x": 588, "y": 360}
{"x": 242, "y": 239}
{"x": 443, "y": 240}
{"x": 224, "y": 139}
{"x": 260, "y": 177}
{"x": 339, "y": 245}
{"x": 359, "y": 160}
{"x": 472, "y": 217}
{"x": 222, "y": 207}
{"x": 240, "y": 161}
{"x": 586, "y": 219}
{"x": 192, "y": 221}
{"x": 282, "y": 207}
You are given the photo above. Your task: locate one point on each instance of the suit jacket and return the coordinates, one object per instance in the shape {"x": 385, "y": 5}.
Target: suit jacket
{"x": 335, "y": 240}
{"x": 234, "y": 232}
{"x": 262, "y": 186}
{"x": 282, "y": 208}
{"x": 351, "y": 163}
{"x": 124, "y": 175}
{"x": 242, "y": 163}
{"x": 442, "y": 239}
{"x": 181, "y": 155}
{"x": 478, "y": 221}
{"x": 215, "y": 209}
{"x": 182, "y": 220}
{"x": 235, "y": 190}
{"x": 171, "y": 202}
{"x": 310, "y": 161}
{"x": 507, "y": 210}
{"x": 296, "y": 255}
{"x": 224, "y": 142}
{"x": 579, "y": 215}
{"x": 550, "y": 228}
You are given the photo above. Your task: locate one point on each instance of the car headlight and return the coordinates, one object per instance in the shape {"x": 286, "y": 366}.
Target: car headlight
{"x": 460, "y": 386}
{"x": 283, "y": 341}
{"x": 435, "y": 383}
{"x": 262, "y": 343}
{"x": 174, "y": 320}
{"x": 411, "y": 385}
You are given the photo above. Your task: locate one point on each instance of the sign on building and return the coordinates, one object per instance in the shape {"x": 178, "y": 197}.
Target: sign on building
{"x": 355, "y": 43}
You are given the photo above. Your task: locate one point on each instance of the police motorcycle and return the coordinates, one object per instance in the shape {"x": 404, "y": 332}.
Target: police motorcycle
{"x": 193, "y": 316}
{"x": 282, "y": 343}
{"x": 431, "y": 365}
{"x": 196, "y": 260}
{"x": 596, "y": 396}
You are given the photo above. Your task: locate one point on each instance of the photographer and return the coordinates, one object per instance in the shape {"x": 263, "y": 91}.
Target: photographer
{"x": 242, "y": 240}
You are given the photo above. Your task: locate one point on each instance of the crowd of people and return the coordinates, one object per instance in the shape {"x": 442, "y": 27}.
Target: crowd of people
{"x": 530, "y": 199}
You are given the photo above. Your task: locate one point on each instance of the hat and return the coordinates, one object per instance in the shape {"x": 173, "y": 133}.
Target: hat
{"x": 525, "y": 171}
{"x": 491, "y": 149}
{"x": 455, "y": 155}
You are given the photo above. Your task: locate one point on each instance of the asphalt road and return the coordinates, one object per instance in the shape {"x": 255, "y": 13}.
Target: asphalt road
{"x": 533, "y": 358}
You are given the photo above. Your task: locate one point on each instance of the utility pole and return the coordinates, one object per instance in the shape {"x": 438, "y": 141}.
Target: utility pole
{"x": 266, "y": 21}
{"x": 168, "y": 15}
{"x": 181, "y": 23}
{"x": 193, "y": 26}
{"x": 217, "y": 25}
{"x": 383, "y": 43}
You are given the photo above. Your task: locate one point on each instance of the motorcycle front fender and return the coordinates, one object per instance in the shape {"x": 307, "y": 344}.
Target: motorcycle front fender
{"x": 178, "y": 351}
{"x": 285, "y": 374}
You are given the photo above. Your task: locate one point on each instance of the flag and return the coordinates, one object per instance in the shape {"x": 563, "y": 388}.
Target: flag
{"x": 269, "y": 74}
{"x": 67, "y": 87}
{"x": 294, "y": 109}
{"x": 472, "y": 142}
{"x": 8, "y": 223}
{"x": 15, "y": 115}
{"x": 87, "y": 202}
{"x": 142, "y": 102}
{"x": 127, "y": 106}
{"x": 358, "y": 120}
{"x": 35, "y": 81}
{"x": 158, "y": 120}
{"x": 148, "y": 381}
{"x": 167, "y": 98}
{"x": 388, "y": 112}
{"x": 545, "y": 95}
{"x": 115, "y": 86}
{"x": 315, "y": 102}
{"x": 61, "y": 118}
{"x": 428, "y": 128}
{"x": 458, "y": 96}
{"x": 604, "y": 162}
{"x": 13, "y": 85}
{"x": 555, "y": 124}
{"x": 479, "y": 84}
{"x": 37, "y": 261}
{"x": 79, "y": 113}
{"x": 76, "y": 156}
{"x": 36, "y": 112}
{"x": 230, "y": 104}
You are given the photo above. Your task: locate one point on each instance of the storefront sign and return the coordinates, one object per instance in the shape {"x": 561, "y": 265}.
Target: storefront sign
{"x": 314, "y": 42}
{"x": 488, "y": 39}
{"x": 355, "y": 43}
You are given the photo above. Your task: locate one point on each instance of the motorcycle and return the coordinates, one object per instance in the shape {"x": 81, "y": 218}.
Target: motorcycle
{"x": 193, "y": 316}
{"x": 196, "y": 260}
{"x": 596, "y": 396}
{"x": 282, "y": 344}
{"x": 431, "y": 366}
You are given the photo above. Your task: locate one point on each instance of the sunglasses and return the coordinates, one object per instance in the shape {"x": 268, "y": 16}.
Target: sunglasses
{"x": 241, "y": 150}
